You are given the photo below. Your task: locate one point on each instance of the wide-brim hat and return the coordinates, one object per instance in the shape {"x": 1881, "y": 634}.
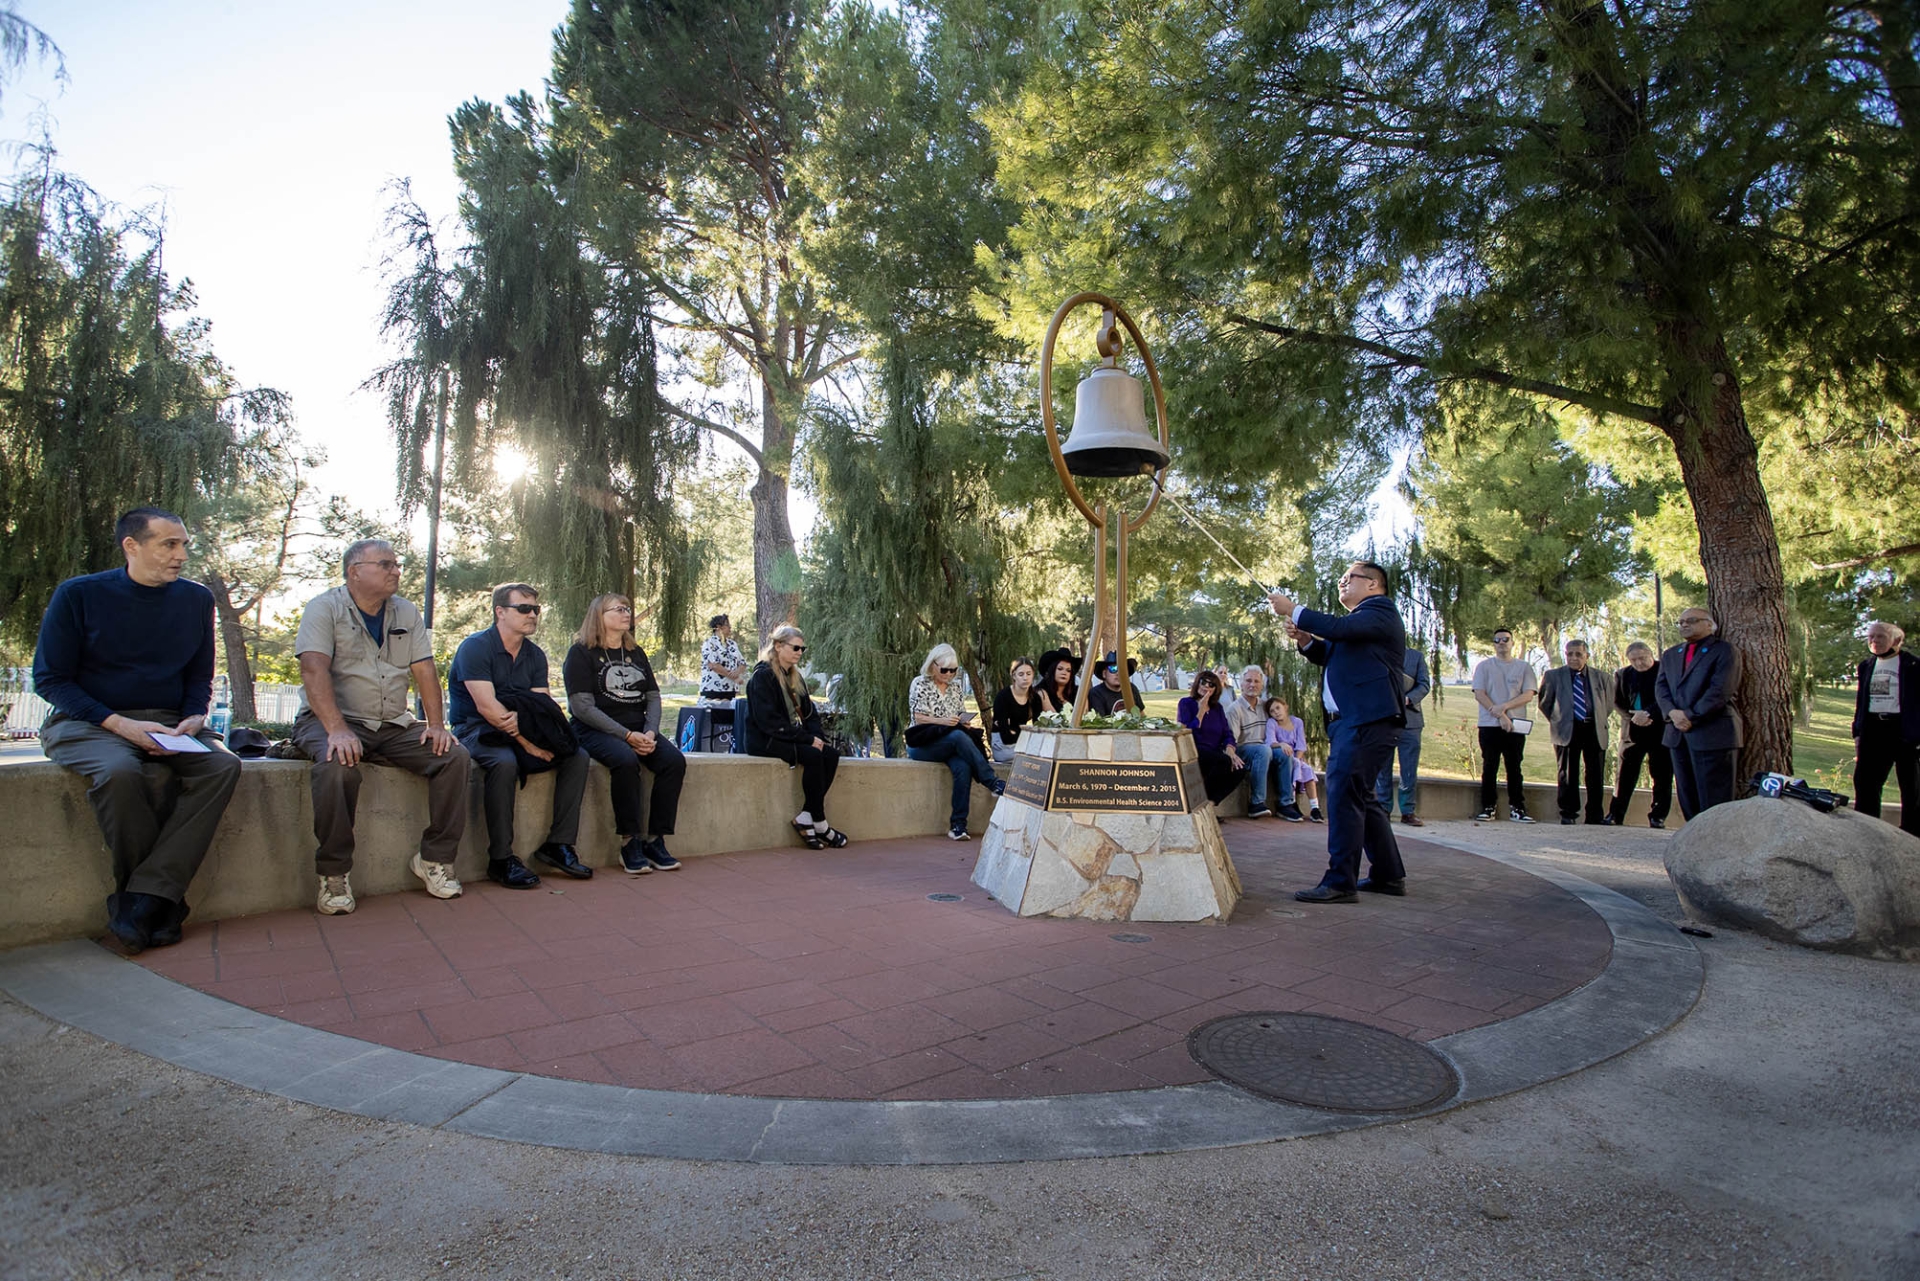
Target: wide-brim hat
{"x": 1106, "y": 664}
{"x": 1053, "y": 658}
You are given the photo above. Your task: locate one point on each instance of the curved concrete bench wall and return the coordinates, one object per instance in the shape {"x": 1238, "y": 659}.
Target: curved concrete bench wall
{"x": 59, "y": 874}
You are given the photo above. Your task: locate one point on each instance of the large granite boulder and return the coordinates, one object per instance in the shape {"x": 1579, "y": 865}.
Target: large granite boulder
{"x": 1842, "y": 881}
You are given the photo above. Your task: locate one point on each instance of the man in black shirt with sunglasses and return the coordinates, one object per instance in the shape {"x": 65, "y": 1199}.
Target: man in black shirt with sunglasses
{"x": 491, "y": 669}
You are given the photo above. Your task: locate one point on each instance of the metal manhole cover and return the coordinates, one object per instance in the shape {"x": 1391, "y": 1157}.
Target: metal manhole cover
{"x": 1131, "y": 938}
{"x": 1322, "y": 1062}
{"x": 946, "y": 898}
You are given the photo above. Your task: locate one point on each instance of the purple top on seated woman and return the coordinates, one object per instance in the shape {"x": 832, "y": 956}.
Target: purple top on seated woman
{"x": 1211, "y": 733}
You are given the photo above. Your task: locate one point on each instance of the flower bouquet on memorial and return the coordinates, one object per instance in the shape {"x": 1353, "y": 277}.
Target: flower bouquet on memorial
{"x": 1138, "y": 721}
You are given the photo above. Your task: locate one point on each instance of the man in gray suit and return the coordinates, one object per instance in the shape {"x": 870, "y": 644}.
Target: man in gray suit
{"x": 1698, "y": 680}
{"x": 1577, "y": 701}
{"x": 1418, "y": 684}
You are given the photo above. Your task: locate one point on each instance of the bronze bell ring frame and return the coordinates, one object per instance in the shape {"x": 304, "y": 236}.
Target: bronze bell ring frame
{"x": 1109, "y": 438}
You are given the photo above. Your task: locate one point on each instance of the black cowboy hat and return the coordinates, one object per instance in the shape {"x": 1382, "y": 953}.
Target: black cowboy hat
{"x": 1053, "y": 658}
{"x": 1105, "y": 665}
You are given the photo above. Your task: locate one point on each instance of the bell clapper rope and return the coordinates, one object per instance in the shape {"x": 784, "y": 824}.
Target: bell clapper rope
{"x": 1195, "y": 522}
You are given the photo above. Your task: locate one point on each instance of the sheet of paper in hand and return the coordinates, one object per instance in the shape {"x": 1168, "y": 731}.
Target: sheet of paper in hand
{"x": 179, "y": 742}
{"x": 1521, "y": 725}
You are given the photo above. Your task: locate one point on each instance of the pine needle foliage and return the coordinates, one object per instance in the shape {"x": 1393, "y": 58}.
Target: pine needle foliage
{"x": 110, "y": 394}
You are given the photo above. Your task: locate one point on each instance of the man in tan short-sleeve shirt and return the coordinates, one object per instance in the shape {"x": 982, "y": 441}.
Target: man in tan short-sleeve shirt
{"x": 360, "y": 649}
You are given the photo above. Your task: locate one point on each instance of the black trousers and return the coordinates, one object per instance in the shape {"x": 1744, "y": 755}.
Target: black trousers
{"x": 1703, "y": 778}
{"x": 1881, "y": 751}
{"x": 665, "y": 762}
{"x": 1643, "y": 744}
{"x": 1497, "y": 745}
{"x": 817, "y": 766}
{"x": 1357, "y": 822}
{"x": 499, "y": 771}
{"x": 1584, "y": 750}
{"x": 1218, "y": 772}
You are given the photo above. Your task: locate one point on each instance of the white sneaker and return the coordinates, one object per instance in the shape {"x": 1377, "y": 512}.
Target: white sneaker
{"x": 438, "y": 876}
{"x": 336, "y": 896}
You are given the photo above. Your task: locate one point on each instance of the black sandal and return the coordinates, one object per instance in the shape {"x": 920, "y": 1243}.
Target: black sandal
{"x": 834, "y": 837}
{"x": 812, "y": 838}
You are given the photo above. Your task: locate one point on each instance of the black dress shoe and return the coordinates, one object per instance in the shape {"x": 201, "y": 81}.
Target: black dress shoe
{"x": 1397, "y": 889}
{"x": 1324, "y": 894}
{"x": 167, "y": 930}
{"x": 512, "y": 873}
{"x": 553, "y": 854}
{"x": 1610, "y": 821}
{"x": 1568, "y": 822}
{"x": 125, "y": 923}
{"x": 1657, "y": 824}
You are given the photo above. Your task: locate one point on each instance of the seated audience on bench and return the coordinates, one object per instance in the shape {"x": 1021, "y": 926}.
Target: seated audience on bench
{"x": 941, "y": 729}
{"x": 1287, "y": 736}
{"x": 614, "y": 699}
{"x": 124, "y": 655}
{"x": 785, "y": 726}
{"x": 1220, "y": 763}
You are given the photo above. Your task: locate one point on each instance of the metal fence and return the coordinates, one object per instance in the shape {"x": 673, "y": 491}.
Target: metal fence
{"x": 25, "y": 710}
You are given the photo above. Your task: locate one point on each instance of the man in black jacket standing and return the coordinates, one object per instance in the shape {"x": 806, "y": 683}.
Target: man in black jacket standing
{"x": 1641, "y": 728}
{"x": 1364, "y": 692}
{"x": 495, "y": 679}
{"x": 1886, "y": 725}
{"x": 1698, "y": 678}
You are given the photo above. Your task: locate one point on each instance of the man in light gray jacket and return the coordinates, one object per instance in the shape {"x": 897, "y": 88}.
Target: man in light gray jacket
{"x": 1419, "y": 684}
{"x": 1577, "y": 701}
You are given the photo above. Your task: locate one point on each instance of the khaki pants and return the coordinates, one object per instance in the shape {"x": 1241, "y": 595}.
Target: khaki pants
{"x": 158, "y": 813}
{"x": 336, "y": 789}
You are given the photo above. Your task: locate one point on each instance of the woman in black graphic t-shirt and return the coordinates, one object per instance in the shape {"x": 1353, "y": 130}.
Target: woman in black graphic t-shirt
{"x": 615, "y": 703}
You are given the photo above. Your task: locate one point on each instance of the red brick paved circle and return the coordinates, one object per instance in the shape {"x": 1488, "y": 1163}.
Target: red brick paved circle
{"x": 832, "y": 975}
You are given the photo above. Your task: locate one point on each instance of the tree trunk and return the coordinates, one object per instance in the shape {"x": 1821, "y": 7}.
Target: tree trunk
{"x": 1739, "y": 547}
{"x": 1173, "y": 660}
{"x": 233, "y": 639}
{"x": 776, "y": 561}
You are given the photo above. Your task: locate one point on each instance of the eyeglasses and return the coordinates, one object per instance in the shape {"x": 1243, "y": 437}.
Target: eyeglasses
{"x": 618, "y": 609}
{"x": 524, "y": 608}
{"x": 948, "y": 671}
{"x": 1348, "y": 578}
{"x": 388, "y": 565}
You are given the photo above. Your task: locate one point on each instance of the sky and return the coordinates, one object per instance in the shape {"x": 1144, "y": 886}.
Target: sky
{"x": 270, "y": 133}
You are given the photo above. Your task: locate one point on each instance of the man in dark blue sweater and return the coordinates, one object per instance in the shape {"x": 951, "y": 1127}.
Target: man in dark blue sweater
{"x": 124, "y": 656}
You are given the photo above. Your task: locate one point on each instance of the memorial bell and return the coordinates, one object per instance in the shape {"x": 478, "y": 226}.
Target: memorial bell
{"x": 1110, "y": 436}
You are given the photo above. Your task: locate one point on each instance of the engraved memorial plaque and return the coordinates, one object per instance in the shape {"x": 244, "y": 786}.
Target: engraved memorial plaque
{"x": 1118, "y": 787}
{"x": 1030, "y": 779}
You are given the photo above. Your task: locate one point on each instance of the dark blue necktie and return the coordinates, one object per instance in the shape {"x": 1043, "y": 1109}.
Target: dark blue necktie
{"x": 1579, "y": 696}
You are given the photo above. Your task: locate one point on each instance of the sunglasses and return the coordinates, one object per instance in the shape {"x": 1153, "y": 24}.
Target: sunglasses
{"x": 524, "y": 608}
{"x": 948, "y": 671}
{"x": 798, "y": 649}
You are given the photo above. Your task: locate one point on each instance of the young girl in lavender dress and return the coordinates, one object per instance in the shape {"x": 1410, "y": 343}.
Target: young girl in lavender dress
{"x": 1286, "y": 733}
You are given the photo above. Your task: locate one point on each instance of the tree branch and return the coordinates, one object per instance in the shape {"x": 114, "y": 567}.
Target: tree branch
{"x": 707, "y": 424}
{"x": 1858, "y": 561}
{"x": 1594, "y": 401}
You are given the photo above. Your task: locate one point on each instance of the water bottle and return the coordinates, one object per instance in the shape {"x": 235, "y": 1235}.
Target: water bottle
{"x": 221, "y": 717}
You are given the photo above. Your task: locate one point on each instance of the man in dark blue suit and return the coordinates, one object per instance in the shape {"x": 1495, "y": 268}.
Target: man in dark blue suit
{"x": 1698, "y": 679}
{"x": 1363, "y": 651}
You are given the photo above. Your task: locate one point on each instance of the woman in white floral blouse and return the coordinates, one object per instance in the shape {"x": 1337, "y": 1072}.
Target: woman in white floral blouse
{"x": 941, "y": 731}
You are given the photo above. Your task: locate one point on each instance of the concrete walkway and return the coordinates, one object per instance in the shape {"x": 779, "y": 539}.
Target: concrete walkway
{"x": 1771, "y": 1133}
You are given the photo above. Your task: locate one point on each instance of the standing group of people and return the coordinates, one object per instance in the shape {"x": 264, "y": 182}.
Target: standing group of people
{"x": 1678, "y": 718}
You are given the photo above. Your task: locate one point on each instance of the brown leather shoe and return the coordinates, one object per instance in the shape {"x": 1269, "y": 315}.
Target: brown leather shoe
{"x": 1412, "y": 820}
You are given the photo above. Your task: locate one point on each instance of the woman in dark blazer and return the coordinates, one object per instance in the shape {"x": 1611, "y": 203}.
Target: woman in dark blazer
{"x": 786, "y": 727}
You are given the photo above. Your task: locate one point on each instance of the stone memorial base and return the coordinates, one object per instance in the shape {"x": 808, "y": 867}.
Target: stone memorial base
{"x": 1107, "y": 825}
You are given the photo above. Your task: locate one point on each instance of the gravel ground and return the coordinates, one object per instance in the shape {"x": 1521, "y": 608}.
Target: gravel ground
{"x": 1775, "y": 1132}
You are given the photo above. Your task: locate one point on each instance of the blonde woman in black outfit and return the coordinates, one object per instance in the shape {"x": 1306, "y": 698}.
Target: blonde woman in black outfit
{"x": 789, "y": 729}
{"x": 1013, "y": 707}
